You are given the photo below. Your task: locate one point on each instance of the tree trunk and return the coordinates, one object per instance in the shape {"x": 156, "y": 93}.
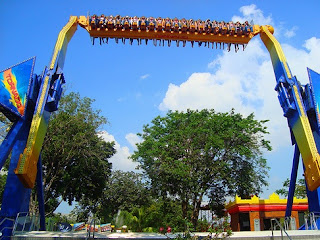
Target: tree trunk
{"x": 33, "y": 205}
{"x": 184, "y": 205}
{"x": 196, "y": 210}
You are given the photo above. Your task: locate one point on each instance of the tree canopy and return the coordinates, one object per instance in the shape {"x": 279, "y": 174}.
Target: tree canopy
{"x": 123, "y": 191}
{"x": 126, "y": 190}
{"x": 300, "y": 190}
{"x": 193, "y": 154}
{"x": 74, "y": 157}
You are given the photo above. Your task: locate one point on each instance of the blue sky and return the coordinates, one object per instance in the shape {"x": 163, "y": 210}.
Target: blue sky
{"x": 134, "y": 84}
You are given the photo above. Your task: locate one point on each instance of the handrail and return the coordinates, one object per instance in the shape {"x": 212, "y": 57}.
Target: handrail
{"x": 10, "y": 228}
{"x": 16, "y": 221}
{"x": 92, "y": 223}
{"x": 286, "y": 223}
{"x": 289, "y": 223}
{"x": 313, "y": 221}
{"x": 33, "y": 222}
{"x": 311, "y": 218}
{"x": 281, "y": 228}
{"x": 5, "y": 236}
{"x": 10, "y": 219}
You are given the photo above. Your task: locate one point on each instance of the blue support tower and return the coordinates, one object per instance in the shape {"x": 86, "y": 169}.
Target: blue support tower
{"x": 16, "y": 196}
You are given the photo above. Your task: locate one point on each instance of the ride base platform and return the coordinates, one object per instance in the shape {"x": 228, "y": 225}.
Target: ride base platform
{"x": 81, "y": 235}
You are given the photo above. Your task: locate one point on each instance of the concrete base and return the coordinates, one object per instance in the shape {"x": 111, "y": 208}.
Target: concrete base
{"x": 81, "y": 235}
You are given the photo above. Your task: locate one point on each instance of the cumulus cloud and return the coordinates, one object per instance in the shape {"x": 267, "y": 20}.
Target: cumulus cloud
{"x": 120, "y": 161}
{"x": 133, "y": 139}
{"x": 251, "y": 12}
{"x": 244, "y": 81}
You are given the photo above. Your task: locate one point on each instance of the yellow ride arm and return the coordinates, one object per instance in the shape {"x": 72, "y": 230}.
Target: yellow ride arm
{"x": 297, "y": 119}
{"x": 27, "y": 165}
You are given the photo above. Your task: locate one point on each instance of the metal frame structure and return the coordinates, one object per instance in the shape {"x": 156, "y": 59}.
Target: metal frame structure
{"x": 25, "y": 138}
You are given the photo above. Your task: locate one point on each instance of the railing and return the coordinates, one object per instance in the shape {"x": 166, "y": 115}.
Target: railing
{"x": 286, "y": 223}
{"x": 277, "y": 223}
{"x": 25, "y": 222}
{"x": 311, "y": 221}
{"x": 92, "y": 227}
{"x": 6, "y": 229}
{"x": 290, "y": 223}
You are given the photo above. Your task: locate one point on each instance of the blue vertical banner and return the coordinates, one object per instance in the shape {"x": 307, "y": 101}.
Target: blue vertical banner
{"x": 14, "y": 88}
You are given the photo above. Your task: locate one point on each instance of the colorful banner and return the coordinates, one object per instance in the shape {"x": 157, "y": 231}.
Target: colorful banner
{"x": 106, "y": 227}
{"x": 14, "y": 87}
{"x": 79, "y": 226}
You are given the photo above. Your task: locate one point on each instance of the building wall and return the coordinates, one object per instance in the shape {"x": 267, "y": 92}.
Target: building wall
{"x": 254, "y": 215}
{"x": 244, "y": 210}
{"x": 235, "y": 225}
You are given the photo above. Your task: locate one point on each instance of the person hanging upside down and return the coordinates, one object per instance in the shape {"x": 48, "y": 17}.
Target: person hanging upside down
{"x": 101, "y": 21}
{"x": 143, "y": 23}
{"x": 176, "y": 25}
{"x": 93, "y": 21}
{"x": 151, "y": 24}
{"x": 159, "y": 24}
{"x": 110, "y": 22}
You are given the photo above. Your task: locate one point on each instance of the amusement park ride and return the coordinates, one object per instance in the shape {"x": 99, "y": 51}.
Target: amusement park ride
{"x": 28, "y": 100}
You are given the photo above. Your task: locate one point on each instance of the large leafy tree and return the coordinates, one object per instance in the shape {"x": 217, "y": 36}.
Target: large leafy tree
{"x": 193, "y": 154}
{"x": 74, "y": 157}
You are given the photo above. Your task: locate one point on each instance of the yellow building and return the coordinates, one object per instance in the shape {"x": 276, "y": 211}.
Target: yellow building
{"x": 254, "y": 214}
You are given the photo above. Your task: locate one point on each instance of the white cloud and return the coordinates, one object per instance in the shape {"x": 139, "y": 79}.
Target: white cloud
{"x": 145, "y": 76}
{"x": 251, "y": 12}
{"x": 300, "y": 59}
{"x": 120, "y": 161}
{"x": 133, "y": 139}
{"x": 291, "y": 32}
{"x": 245, "y": 81}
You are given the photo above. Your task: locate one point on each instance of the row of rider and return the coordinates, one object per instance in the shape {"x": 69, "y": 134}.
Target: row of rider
{"x": 168, "y": 24}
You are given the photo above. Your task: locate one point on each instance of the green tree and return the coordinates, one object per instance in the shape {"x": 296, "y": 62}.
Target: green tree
{"x": 300, "y": 191}
{"x": 163, "y": 213}
{"x": 3, "y": 180}
{"x": 123, "y": 191}
{"x": 150, "y": 218}
{"x": 74, "y": 157}
{"x": 126, "y": 190}
{"x": 5, "y": 124}
{"x": 193, "y": 154}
